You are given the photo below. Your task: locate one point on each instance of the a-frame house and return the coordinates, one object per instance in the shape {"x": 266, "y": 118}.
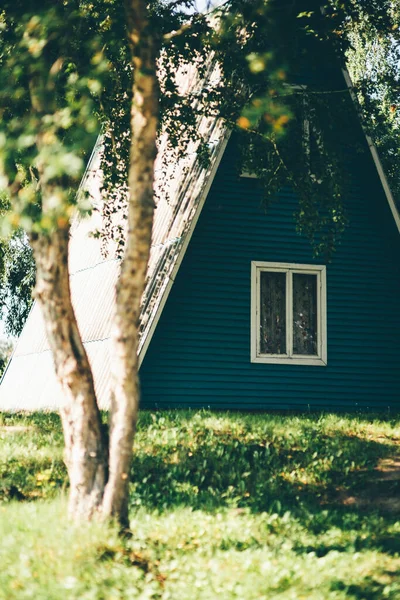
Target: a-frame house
{"x": 237, "y": 313}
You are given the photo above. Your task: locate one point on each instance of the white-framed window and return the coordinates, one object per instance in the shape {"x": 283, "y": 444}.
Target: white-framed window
{"x": 288, "y": 313}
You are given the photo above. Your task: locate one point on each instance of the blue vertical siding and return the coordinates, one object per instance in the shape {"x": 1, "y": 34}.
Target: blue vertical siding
{"x": 200, "y": 352}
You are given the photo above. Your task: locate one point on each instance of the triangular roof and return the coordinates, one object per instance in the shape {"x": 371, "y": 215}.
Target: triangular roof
{"x": 29, "y": 382}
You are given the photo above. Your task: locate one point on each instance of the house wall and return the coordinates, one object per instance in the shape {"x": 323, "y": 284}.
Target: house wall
{"x": 200, "y": 352}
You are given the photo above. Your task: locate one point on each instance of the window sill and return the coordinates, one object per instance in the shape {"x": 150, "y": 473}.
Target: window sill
{"x": 319, "y": 362}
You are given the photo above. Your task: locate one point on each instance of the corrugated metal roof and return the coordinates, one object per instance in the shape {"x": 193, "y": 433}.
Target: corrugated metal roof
{"x": 29, "y": 382}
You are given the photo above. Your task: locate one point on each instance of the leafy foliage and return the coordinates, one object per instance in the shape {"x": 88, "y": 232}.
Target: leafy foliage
{"x": 52, "y": 71}
{"x": 263, "y": 48}
{"x": 17, "y": 278}
{"x": 6, "y": 348}
{"x": 373, "y": 62}
{"x": 17, "y": 284}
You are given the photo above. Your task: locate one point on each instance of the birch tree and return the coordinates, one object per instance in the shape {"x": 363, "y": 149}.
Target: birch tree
{"x": 47, "y": 104}
{"x": 67, "y": 65}
{"x": 53, "y": 72}
{"x": 144, "y": 44}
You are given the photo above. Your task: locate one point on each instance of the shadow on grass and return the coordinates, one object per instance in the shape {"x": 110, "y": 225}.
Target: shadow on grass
{"x": 369, "y": 589}
{"x": 254, "y": 463}
{"x": 310, "y": 474}
{"x": 210, "y": 473}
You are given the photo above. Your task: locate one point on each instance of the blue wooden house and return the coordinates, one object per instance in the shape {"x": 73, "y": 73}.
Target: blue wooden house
{"x": 237, "y": 313}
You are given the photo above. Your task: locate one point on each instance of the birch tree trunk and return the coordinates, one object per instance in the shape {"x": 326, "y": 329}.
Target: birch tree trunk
{"x": 99, "y": 481}
{"x": 125, "y": 383}
{"x": 85, "y": 452}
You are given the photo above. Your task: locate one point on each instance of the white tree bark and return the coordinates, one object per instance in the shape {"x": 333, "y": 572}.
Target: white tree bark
{"x": 85, "y": 451}
{"x": 125, "y": 383}
{"x": 100, "y": 482}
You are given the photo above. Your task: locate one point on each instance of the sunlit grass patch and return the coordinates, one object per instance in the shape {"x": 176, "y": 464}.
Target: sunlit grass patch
{"x": 185, "y": 554}
{"x": 222, "y": 505}
{"x": 31, "y": 464}
{"x": 205, "y": 459}
{"x": 44, "y": 556}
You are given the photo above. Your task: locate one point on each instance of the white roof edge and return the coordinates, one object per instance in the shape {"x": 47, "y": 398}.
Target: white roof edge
{"x": 375, "y": 156}
{"x": 184, "y": 247}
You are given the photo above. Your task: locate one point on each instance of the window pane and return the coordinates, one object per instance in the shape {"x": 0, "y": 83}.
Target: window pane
{"x": 272, "y": 313}
{"x": 305, "y": 330}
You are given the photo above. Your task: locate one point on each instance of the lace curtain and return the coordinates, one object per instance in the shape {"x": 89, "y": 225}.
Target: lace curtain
{"x": 273, "y": 313}
{"x": 305, "y": 314}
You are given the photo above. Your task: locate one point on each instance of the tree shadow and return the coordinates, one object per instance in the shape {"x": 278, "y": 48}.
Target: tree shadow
{"x": 211, "y": 461}
{"x": 311, "y": 476}
{"x": 371, "y": 588}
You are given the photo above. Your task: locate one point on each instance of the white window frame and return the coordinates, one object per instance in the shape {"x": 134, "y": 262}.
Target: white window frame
{"x": 289, "y": 358}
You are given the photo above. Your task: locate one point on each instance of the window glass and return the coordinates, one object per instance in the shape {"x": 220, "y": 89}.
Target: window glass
{"x": 272, "y": 312}
{"x": 305, "y": 331}
{"x": 288, "y": 313}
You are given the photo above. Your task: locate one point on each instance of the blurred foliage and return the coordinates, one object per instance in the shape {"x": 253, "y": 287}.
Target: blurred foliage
{"x": 373, "y": 63}
{"x": 52, "y": 71}
{"x": 17, "y": 283}
{"x": 17, "y": 277}
{"x": 6, "y": 348}
{"x": 235, "y": 505}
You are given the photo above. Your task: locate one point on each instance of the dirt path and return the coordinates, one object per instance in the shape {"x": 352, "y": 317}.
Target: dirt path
{"x": 379, "y": 488}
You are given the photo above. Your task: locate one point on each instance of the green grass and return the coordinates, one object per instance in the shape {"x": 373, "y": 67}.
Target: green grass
{"x": 222, "y": 506}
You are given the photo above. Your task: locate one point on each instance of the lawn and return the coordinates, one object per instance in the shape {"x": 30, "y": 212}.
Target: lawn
{"x": 223, "y": 506}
